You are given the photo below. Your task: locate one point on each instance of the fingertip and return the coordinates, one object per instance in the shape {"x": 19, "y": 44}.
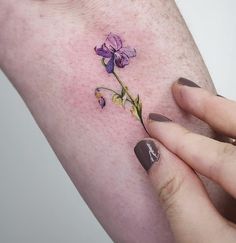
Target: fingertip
{"x": 155, "y": 120}
{"x": 187, "y": 82}
{"x": 184, "y": 90}
{"x": 176, "y": 89}
{"x": 175, "y": 84}
{"x": 148, "y": 153}
{"x": 182, "y": 83}
{"x": 158, "y": 117}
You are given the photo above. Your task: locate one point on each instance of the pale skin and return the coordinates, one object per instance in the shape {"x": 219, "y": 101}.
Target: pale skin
{"x": 46, "y": 50}
{"x": 195, "y": 219}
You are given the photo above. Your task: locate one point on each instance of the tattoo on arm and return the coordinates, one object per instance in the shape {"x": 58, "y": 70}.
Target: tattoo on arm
{"x": 118, "y": 56}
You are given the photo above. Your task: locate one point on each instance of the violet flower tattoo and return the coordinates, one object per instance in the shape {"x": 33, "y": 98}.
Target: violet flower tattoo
{"x": 118, "y": 56}
{"x": 114, "y": 50}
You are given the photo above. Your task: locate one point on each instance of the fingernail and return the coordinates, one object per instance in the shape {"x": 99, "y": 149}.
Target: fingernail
{"x": 147, "y": 153}
{"x": 221, "y": 96}
{"x": 186, "y": 82}
{"x": 158, "y": 117}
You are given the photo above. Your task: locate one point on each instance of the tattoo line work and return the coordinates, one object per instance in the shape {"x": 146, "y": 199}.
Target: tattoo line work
{"x": 118, "y": 56}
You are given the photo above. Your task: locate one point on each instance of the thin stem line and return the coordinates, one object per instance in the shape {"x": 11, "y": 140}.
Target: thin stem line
{"x": 120, "y": 82}
{"x": 141, "y": 120}
{"x": 108, "y": 90}
{"x": 123, "y": 86}
{"x": 132, "y": 101}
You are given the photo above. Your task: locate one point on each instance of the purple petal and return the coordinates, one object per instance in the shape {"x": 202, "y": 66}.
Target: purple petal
{"x": 129, "y": 51}
{"x": 121, "y": 59}
{"x": 110, "y": 65}
{"x": 103, "y": 51}
{"x": 102, "y": 102}
{"x": 113, "y": 42}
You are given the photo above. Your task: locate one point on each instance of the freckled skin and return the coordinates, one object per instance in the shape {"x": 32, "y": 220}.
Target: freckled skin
{"x": 49, "y": 57}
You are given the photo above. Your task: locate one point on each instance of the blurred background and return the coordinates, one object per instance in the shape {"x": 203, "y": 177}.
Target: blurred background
{"x": 38, "y": 202}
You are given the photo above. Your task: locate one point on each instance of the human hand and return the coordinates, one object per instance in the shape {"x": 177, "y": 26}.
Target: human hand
{"x": 171, "y": 163}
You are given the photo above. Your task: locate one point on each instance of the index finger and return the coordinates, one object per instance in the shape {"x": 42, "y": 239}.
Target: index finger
{"x": 218, "y": 112}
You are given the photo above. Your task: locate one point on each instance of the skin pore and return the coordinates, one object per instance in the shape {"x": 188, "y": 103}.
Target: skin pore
{"x": 47, "y": 51}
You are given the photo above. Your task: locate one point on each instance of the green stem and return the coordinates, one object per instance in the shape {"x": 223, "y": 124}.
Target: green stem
{"x": 108, "y": 90}
{"x": 123, "y": 86}
{"x": 141, "y": 119}
{"x": 132, "y": 101}
{"x": 120, "y": 82}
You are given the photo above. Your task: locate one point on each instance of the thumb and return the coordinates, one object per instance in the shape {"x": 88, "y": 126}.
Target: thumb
{"x": 191, "y": 215}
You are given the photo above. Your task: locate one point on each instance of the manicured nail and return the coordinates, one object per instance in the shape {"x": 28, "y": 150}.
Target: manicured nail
{"x": 147, "y": 153}
{"x": 221, "y": 96}
{"x": 158, "y": 117}
{"x": 186, "y": 82}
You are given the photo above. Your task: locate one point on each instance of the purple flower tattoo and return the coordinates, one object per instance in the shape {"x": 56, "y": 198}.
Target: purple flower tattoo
{"x": 114, "y": 50}
{"x": 100, "y": 98}
{"x": 118, "y": 56}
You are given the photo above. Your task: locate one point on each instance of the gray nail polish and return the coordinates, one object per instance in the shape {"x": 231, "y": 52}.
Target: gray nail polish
{"x": 220, "y": 96}
{"x": 147, "y": 153}
{"x": 186, "y": 82}
{"x": 158, "y": 117}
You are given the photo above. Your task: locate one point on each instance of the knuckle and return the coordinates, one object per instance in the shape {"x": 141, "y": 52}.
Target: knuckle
{"x": 168, "y": 192}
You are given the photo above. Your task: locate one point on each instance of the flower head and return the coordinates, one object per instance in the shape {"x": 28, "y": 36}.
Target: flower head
{"x": 100, "y": 98}
{"x": 113, "y": 49}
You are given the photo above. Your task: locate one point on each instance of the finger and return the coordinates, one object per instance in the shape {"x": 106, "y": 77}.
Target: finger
{"x": 189, "y": 211}
{"x": 214, "y": 159}
{"x": 218, "y": 112}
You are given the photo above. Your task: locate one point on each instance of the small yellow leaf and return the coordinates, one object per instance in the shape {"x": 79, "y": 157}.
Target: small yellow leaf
{"x": 116, "y": 99}
{"x": 134, "y": 112}
{"x": 124, "y": 100}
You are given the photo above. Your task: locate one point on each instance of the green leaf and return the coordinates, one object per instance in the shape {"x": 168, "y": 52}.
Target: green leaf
{"x": 137, "y": 100}
{"x": 135, "y": 112}
{"x": 117, "y": 100}
{"x": 124, "y": 98}
{"x": 123, "y": 92}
